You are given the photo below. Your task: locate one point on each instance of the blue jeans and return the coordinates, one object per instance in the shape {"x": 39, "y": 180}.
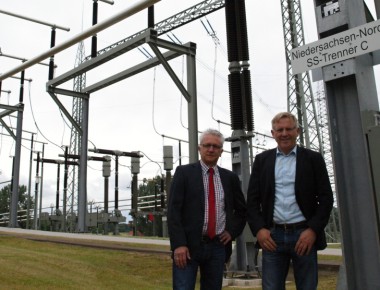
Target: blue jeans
{"x": 276, "y": 264}
{"x": 210, "y": 260}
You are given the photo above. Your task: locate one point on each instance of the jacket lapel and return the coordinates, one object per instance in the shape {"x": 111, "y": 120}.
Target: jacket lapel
{"x": 198, "y": 184}
{"x": 272, "y": 163}
{"x": 299, "y": 167}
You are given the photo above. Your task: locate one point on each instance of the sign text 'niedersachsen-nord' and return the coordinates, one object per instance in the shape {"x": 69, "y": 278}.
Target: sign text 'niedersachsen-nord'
{"x": 338, "y": 47}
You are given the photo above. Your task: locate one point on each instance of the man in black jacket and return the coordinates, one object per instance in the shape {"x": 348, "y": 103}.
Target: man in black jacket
{"x": 201, "y": 230}
{"x": 289, "y": 201}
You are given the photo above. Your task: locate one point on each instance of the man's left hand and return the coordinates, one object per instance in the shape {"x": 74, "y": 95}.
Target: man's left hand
{"x": 225, "y": 237}
{"x": 305, "y": 242}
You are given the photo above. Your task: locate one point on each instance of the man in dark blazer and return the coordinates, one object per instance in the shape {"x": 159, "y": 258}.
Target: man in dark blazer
{"x": 289, "y": 201}
{"x": 188, "y": 217}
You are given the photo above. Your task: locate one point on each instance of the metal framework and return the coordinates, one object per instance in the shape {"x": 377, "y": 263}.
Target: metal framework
{"x": 195, "y": 12}
{"x": 352, "y": 101}
{"x": 149, "y": 37}
{"x": 300, "y": 96}
{"x": 311, "y": 113}
{"x": 173, "y": 22}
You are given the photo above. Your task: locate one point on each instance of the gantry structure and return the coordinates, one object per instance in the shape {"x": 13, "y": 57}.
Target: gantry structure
{"x": 311, "y": 112}
{"x": 195, "y": 12}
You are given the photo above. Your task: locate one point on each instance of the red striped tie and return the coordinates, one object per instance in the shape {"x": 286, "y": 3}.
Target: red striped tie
{"x": 211, "y": 228}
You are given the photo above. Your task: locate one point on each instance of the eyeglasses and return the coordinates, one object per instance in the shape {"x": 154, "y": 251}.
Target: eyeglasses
{"x": 209, "y": 146}
{"x": 287, "y": 130}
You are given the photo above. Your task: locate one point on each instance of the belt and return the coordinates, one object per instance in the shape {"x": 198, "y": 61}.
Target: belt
{"x": 207, "y": 240}
{"x": 293, "y": 226}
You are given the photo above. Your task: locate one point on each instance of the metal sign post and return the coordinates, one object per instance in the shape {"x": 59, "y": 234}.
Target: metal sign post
{"x": 350, "y": 90}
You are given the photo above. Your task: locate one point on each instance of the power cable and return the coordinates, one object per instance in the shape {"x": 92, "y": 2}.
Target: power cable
{"x": 211, "y": 32}
{"x": 148, "y": 55}
{"x": 10, "y": 122}
{"x": 92, "y": 143}
{"x": 151, "y": 160}
{"x": 266, "y": 105}
{"x": 176, "y": 40}
{"x": 175, "y": 37}
{"x": 213, "y": 82}
{"x": 153, "y": 103}
{"x": 95, "y": 169}
{"x": 123, "y": 165}
{"x": 64, "y": 127}
{"x": 145, "y": 52}
{"x": 1, "y": 139}
{"x": 2, "y": 127}
{"x": 181, "y": 98}
{"x": 35, "y": 123}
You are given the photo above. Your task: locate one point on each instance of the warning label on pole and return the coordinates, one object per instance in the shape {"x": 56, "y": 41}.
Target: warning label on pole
{"x": 341, "y": 46}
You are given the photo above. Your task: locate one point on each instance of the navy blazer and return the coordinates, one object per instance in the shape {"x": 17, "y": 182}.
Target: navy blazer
{"x": 312, "y": 188}
{"x": 186, "y": 206}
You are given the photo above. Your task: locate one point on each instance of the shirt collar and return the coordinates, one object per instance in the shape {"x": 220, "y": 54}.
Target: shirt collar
{"x": 293, "y": 151}
{"x": 205, "y": 167}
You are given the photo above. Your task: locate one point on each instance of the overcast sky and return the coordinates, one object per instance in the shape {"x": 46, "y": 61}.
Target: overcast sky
{"x": 133, "y": 114}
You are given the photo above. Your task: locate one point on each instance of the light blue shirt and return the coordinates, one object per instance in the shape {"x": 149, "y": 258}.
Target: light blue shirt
{"x": 286, "y": 209}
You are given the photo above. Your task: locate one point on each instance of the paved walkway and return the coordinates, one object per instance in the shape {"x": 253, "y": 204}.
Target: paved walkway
{"x": 126, "y": 239}
{"x": 331, "y": 252}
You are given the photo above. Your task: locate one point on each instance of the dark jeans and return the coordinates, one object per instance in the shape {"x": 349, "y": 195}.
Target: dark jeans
{"x": 210, "y": 260}
{"x": 276, "y": 264}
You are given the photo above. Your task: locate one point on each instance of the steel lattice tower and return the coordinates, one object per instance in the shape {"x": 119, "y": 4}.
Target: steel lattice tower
{"x": 300, "y": 97}
{"x": 312, "y": 115}
{"x": 327, "y": 154}
{"x": 324, "y": 129}
{"x": 75, "y": 138}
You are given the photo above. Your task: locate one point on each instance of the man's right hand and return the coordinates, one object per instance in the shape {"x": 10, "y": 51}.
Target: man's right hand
{"x": 180, "y": 256}
{"x": 265, "y": 240}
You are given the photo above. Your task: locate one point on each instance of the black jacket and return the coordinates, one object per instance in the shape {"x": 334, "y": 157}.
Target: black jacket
{"x": 186, "y": 207}
{"x": 312, "y": 188}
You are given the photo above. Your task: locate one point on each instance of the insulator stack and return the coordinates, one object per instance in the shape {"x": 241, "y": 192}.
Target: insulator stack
{"x": 94, "y": 39}
{"x": 231, "y": 28}
{"x": 134, "y": 195}
{"x": 243, "y": 33}
{"x": 151, "y": 16}
{"x": 248, "y": 100}
{"x": 51, "y": 61}
{"x": 237, "y": 118}
{"x": 238, "y": 56}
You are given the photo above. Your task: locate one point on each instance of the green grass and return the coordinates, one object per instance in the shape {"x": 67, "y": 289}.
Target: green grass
{"x": 26, "y": 264}
{"x": 39, "y": 265}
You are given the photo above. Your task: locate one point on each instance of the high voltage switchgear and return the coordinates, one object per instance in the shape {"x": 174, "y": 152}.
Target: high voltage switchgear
{"x": 239, "y": 79}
